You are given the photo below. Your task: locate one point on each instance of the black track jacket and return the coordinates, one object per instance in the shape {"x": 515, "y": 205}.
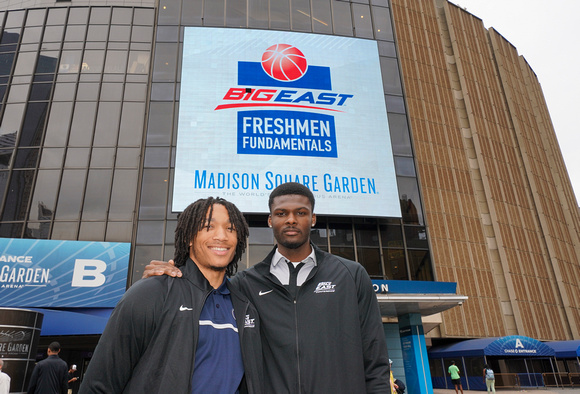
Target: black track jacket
{"x": 330, "y": 340}
{"x": 149, "y": 343}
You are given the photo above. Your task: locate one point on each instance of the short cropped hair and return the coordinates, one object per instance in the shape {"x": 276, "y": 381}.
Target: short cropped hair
{"x": 54, "y": 346}
{"x": 193, "y": 220}
{"x": 290, "y": 188}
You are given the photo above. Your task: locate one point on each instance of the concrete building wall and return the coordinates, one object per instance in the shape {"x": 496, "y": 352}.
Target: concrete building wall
{"x": 501, "y": 212}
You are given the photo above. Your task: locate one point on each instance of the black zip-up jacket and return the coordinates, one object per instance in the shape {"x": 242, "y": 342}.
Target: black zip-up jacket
{"x": 330, "y": 339}
{"x": 148, "y": 345}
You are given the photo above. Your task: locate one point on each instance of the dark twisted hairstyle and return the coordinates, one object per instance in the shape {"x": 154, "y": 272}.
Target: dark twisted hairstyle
{"x": 193, "y": 220}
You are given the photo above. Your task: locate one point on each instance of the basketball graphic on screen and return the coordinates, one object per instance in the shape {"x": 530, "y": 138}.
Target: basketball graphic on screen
{"x": 284, "y": 62}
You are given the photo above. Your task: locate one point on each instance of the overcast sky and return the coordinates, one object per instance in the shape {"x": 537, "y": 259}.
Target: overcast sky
{"x": 547, "y": 35}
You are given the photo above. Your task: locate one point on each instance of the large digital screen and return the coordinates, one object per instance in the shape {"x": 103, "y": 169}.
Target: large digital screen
{"x": 49, "y": 273}
{"x": 259, "y": 108}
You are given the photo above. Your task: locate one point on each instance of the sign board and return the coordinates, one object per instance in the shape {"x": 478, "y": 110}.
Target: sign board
{"x": 259, "y": 108}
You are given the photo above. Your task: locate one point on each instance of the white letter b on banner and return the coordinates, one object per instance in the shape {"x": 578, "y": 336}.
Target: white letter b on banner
{"x": 90, "y": 269}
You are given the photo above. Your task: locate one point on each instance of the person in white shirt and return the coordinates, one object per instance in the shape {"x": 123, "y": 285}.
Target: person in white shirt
{"x": 4, "y": 380}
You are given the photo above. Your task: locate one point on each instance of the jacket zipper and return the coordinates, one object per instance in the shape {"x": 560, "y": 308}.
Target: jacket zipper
{"x": 297, "y": 344}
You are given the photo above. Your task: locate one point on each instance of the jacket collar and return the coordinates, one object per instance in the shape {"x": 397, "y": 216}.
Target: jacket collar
{"x": 192, "y": 273}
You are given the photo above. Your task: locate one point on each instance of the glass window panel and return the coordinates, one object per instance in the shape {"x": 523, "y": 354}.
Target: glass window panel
{"x": 124, "y": 194}
{"x": 12, "y": 120}
{"x": 31, "y": 35}
{"x": 58, "y": 124}
{"x": 131, "y": 132}
{"x": 40, "y": 91}
{"x": 39, "y": 230}
{"x": 51, "y": 158}
{"x": 119, "y": 232}
{"x": 395, "y": 104}
{"x": 371, "y": 260}
{"x": 162, "y": 91}
{"x": 150, "y": 232}
{"x": 340, "y": 234}
{"x": 343, "y": 251}
{"x": 26, "y": 158}
{"x": 83, "y": 124}
{"x": 2, "y": 94}
{"x": 160, "y": 123}
{"x": 301, "y": 20}
{"x": 120, "y": 33}
{"x": 88, "y": 91}
{"x": 15, "y": 19}
{"x": 405, "y": 166}
{"x": 321, "y": 17}
{"x": 18, "y": 195}
{"x": 111, "y": 92}
{"x": 214, "y": 13}
{"x": 33, "y": 126}
{"x": 116, "y": 62}
{"x": 138, "y": 62}
{"x": 258, "y": 13}
{"x": 279, "y": 13}
{"x": 5, "y": 157}
{"x": 382, "y": 3}
{"x": 395, "y": 266}
{"x": 6, "y": 62}
{"x": 410, "y": 202}
{"x": 128, "y": 157}
{"x": 362, "y": 21}
{"x": 167, "y": 34}
{"x": 382, "y": 22}
{"x": 169, "y": 11}
{"x": 164, "y": 64}
{"x": 18, "y": 93}
{"x": 47, "y": 62}
{"x": 103, "y": 157}
{"x": 143, "y": 255}
{"x": 391, "y": 77}
{"x": 420, "y": 265}
{"x": 78, "y": 16}
{"x": 70, "y": 196}
{"x": 56, "y": 16}
{"x": 98, "y": 33}
{"x": 97, "y": 195}
{"x": 11, "y": 230}
{"x": 44, "y": 199}
{"x": 3, "y": 181}
{"x": 416, "y": 237}
{"x": 341, "y": 18}
{"x": 400, "y": 139}
{"x": 366, "y": 235}
{"x": 25, "y": 63}
{"x": 391, "y": 236}
{"x": 142, "y": 34}
{"x": 10, "y": 36}
{"x": 70, "y": 62}
{"x": 261, "y": 235}
{"x": 64, "y": 230}
{"x": 100, "y": 15}
{"x": 122, "y": 16}
{"x": 77, "y": 157}
{"x": 154, "y": 194}
{"x": 170, "y": 226}
{"x": 387, "y": 49}
{"x": 93, "y": 62}
{"x": 75, "y": 33}
{"x": 35, "y": 17}
{"x": 157, "y": 157}
{"x": 107, "y": 129}
{"x": 92, "y": 231}
{"x": 135, "y": 92}
{"x": 236, "y": 13}
{"x": 144, "y": 16}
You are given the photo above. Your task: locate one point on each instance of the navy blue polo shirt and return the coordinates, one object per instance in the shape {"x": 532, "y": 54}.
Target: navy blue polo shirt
{"x": 218, "y": 357}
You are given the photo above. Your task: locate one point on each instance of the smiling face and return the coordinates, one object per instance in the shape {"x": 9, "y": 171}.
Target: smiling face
{"x": 214, "y": 245}
{"x": 291, "y": 218}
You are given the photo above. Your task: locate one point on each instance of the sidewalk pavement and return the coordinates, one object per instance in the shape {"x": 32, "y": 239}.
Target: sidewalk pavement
{"x": 540, "y": 390}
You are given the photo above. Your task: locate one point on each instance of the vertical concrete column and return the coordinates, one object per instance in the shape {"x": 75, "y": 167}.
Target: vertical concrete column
{"x": 415, "y": 357}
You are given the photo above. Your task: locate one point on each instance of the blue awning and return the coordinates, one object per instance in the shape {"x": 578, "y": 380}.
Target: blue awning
{"x": 565, "y": 349}
{"x": 74, "y": 321}
{"x": 513, "y": 345}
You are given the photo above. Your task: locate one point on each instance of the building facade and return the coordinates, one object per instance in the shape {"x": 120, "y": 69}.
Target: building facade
{"x": 90, "y": 95}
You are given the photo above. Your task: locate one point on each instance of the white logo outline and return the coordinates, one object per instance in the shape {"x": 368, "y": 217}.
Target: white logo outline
{"x": 261, "y": 293}
{"x": 184, "y": 308}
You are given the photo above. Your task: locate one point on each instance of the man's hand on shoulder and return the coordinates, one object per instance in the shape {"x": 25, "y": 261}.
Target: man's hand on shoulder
{"x": 157, "y": 268}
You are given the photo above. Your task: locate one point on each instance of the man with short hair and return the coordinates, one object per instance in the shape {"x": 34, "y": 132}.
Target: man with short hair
{"x": 193, "y": 335}
{"x": 72, "y": 379}
{"x": 4, "y": 380}
{"x": 453, "y": 370}
{"x": 321, "y": 325}
{"x": 50, "y": 376}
